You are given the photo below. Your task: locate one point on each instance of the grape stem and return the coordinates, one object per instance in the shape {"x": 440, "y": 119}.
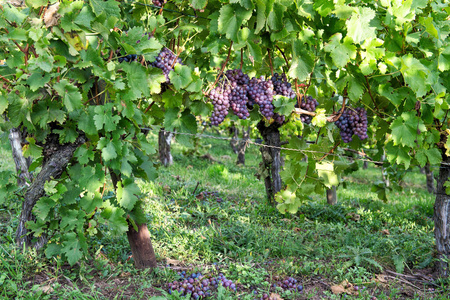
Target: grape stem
{"x": 242, "y": 58}
{"x": 284, "y": 56}
{"x": 330, "y": 152}
{"x": 270, "y": 61}
{"x": 4, "y": 79}
{"x": 221, "y": 70}
{"x": 148, "y": 107}
{"x": 300, "y": 111}
{"x": 335, "y": 117}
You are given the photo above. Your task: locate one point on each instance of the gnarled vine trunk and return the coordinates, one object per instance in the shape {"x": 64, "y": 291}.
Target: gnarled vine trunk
{"x": 430, "y": 179}
{"x": 16, "y": 140}
{"x": 55, "y": 163}
{"x": 164, "y": 142}
{"x": 140, "y": 242}
{"x": 241, "y": 146}
{"x": 271, "y": 155}
{"x": 332, "y": 196}
{"x": 442, "y": 218}
{"x": 234, "y": 143}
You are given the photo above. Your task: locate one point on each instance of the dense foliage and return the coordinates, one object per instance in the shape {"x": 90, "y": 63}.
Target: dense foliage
{"x": 63, "y": 80}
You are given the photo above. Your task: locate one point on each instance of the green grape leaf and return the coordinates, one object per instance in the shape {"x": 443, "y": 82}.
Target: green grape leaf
{"x": 326, "y": 172}
{"x": 404, "y": 129}
{"x": 283, "y": 105}
{"x": 231, "y": 18}
{"x": 181, "y": 76}
{"x": 127, "y": 192}
{"x": 358, "y": 25}
{"x": 72, "y": 248}
{"x": 70, "y": 94}
{"x": 172, "y": 99}
{"x": 320, "y": 119}
{"x": 415, "y": 74}
{"x": 109, "y": 152}
{"x": 324, "y": 7}
{"x": 260, "y": 15}
{"x": 303, "y": 61}
{"x": 52, "y": 249}
{"x": 43, "y": 207}
{"x": 444, "y": 59}
{"x": 155, "y": 78}
{"x": 275, "y": 17}
{"x": 199, "y": 4}
{"x": 341, "y": 53}
{"x": 3, "y": 103}
{"x": 90, "y": 201}
{"x": 109, "y": 8}
{"x": 37, "y": 80}
{"x": 137, "y": 79}
{"x": 31, "y": 149}
{"x": 115, "y": 219}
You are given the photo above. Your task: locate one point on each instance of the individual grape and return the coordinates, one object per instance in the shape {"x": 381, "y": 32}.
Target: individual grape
{"x": 352, "y": 121}
{"x": 309, "y": 104}
{"x": 165, "y": 61}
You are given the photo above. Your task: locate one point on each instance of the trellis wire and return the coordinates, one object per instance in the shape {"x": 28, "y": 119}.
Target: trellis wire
{"x": 250, "y": 142}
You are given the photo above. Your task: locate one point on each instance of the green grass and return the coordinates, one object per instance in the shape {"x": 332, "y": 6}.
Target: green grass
{"x": 245, "y": 237}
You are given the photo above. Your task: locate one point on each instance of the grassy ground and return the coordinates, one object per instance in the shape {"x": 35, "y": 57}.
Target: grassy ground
{"x": 358, "y": 245}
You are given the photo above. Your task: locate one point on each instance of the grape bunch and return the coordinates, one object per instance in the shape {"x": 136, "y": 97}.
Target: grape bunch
{"x": 260, "y": 91}
{"x": 281, "y": 86}
{"x": 309, "y": 104}
{"x": 287, "y": 284}
{"x": 237, "y": 76}
{"x": 220, "y": 97}
{"x": 353, "y": 121}
{"x": 128, "y": 58}
{"x": 239, "y": 100}
{"x": 199, "y": 286}
{"x": 165, "y": 61}
{"x": 158, "y": 3}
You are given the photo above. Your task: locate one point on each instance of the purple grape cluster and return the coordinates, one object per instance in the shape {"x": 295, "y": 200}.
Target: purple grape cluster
{"x": 199, "y": 286}
{"x": 242, "y": 93}
{"x": 220, "y": 97}
{"x": 352, "y": 121}
{"x": 288, "y": 284}
{"x": 237, "y": 76}
{"x": 165, "y": 62}
{"x": 214, "y": 196}
{"x": 159, "y": 3}
{"x": 260, "y": 91}
{"x": 128, "y": 58}
{"x": 309, "y": 104}
{"x": 281, "y": 86}
{"x": 239, "y": 100}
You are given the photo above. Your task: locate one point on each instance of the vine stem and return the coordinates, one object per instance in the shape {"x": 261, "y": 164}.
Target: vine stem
{"x": 330, "y": 152}
{"x": 371, "y": 97}
{"x": 221, "y": 70}
{"x": 284, "y": 56}
{"x": 4, "y": 79}
{"x": 242, "y": 58}
{"x": 148, "y": 107}
{"x": 270, "y": 61}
